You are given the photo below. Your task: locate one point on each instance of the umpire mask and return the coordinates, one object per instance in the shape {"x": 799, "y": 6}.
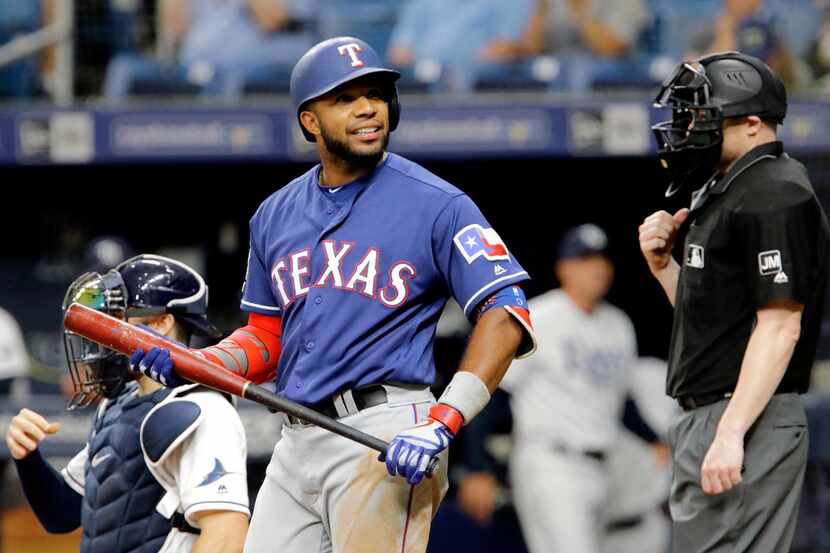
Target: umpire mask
{"x": 689, "y": 144}
{"x": 701, "y": 94}
{"x": 95, "y": 370}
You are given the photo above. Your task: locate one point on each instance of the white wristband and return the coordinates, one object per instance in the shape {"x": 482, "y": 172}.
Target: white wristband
{"x": 467, "y": 394}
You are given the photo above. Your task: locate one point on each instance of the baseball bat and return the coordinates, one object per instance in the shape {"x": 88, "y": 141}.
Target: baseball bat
{"x": 125, "y": 338}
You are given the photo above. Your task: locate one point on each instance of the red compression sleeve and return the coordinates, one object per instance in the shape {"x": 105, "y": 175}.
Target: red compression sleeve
{"x": 253, "y": 350}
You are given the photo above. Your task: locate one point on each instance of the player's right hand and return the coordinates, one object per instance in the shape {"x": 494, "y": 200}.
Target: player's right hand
{"x": 156, "y": 364}
{"x": 26, "y": 430}
{"x": 657, "y": 235}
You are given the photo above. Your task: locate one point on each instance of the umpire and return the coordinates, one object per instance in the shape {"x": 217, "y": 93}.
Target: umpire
{"x": 748, "y": 296}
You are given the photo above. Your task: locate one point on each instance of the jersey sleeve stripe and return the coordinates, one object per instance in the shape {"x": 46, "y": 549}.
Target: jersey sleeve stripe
{"x": 477, "y": 296}
{"x": 215, "y": 506}
{"x": 258, "y": 306}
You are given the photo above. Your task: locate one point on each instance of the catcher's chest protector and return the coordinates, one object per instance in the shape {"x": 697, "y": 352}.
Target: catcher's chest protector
{"x": 120, "y": 494}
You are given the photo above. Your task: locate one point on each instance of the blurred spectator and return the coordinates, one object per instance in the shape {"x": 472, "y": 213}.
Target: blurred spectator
{"x": 19, "y": 79}
{"x": 746, "y": 26}
{"x": 818, "y": 56}
{"x": 221, "y": 45}
{"x": 14, "y": 361}
{"x": 602, "y": 28}
{"x": 586, "y": 43}
{"x": 432, "y": 35}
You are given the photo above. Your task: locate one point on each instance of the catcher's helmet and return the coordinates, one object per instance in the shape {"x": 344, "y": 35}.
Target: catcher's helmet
{"x": 701, "y": 94}
{"x": 144, "y": 285}
{"x": 334, "y": 62}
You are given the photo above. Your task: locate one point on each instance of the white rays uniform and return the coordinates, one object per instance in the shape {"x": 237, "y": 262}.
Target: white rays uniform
{"x": 567, "y": 401}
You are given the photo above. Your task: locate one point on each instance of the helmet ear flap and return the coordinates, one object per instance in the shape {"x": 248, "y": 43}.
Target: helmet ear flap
{"x": 394, "y": 109}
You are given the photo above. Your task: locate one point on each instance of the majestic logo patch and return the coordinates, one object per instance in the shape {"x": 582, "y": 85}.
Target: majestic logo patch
{"x": 474, "y": 241}
{"x": 769, "y": 262}
{"x": 781, "y": 278}
{"x": 694, "y": 257}
{"x": 499, "y": 270}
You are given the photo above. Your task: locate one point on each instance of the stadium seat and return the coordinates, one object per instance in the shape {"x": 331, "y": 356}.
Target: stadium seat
{"x": 533, "y": 74}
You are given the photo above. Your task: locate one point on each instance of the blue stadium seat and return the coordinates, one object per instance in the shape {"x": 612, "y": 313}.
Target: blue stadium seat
{"x": 526, "y": 75}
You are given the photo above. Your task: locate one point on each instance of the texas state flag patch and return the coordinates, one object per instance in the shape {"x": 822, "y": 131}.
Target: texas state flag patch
{"x": 474, "y": 241}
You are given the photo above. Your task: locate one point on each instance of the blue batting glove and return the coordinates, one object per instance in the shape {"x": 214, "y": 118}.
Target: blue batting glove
{"x": 410, "y": 452}
{"x": 156, "y": 364}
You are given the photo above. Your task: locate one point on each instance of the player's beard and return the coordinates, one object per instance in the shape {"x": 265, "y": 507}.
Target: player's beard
{"x": 351, "y": 157}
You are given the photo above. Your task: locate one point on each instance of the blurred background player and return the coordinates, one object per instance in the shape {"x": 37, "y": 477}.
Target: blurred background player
{"x": 164, "y": 469}
{"x": 638, "y": 470}
{"x": 567, "y": 402}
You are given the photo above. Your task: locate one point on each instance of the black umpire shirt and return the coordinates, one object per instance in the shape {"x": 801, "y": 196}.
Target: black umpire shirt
{"x": 756, "y": 234}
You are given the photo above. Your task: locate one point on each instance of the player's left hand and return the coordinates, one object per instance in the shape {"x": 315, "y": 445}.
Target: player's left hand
{"x": 156, "y": 363}
{"x": 722, "y": 466}
{"x": 410, "y": 452}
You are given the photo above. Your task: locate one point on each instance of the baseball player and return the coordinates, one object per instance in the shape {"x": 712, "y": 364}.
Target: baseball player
{"x": 567, "y": 401}
{"x": 349, "y": 268}
{"x": 164, "y": 468}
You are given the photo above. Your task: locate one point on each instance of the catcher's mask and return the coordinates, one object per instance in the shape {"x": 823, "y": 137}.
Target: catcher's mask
{"x": 701, "y": 94}
{"x": 95, "y": 370}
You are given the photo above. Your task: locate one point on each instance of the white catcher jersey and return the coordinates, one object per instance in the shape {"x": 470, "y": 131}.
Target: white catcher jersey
{"x": 190, "y": 474}
{"x": 572, "y": 390}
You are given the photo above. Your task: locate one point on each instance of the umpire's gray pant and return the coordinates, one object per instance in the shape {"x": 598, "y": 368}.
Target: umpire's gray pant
{"x": 758, "y": 515}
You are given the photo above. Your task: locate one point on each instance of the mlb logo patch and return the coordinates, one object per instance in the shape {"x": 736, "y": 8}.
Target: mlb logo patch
{"x": 474, "y": 241}
{"x": 769, "y": 262}
{"x": 694, "y": 257}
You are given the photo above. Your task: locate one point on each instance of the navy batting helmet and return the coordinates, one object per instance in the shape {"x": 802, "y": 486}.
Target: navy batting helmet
{"x": 142, "y": 286}
{"x": 335, "y": 62}
{"x": 157, "y": 285}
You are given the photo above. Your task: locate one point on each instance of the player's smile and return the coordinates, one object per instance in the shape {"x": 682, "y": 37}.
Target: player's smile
{"x": 367, "y": 132}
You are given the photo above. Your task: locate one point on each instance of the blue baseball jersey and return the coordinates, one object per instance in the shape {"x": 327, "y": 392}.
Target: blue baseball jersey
{"x": 360, "y": 274}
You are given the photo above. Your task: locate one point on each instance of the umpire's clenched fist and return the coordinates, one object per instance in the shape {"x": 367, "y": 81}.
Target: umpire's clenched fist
{"x": 26, "y": 431}
{"x": 657, "y": 235}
